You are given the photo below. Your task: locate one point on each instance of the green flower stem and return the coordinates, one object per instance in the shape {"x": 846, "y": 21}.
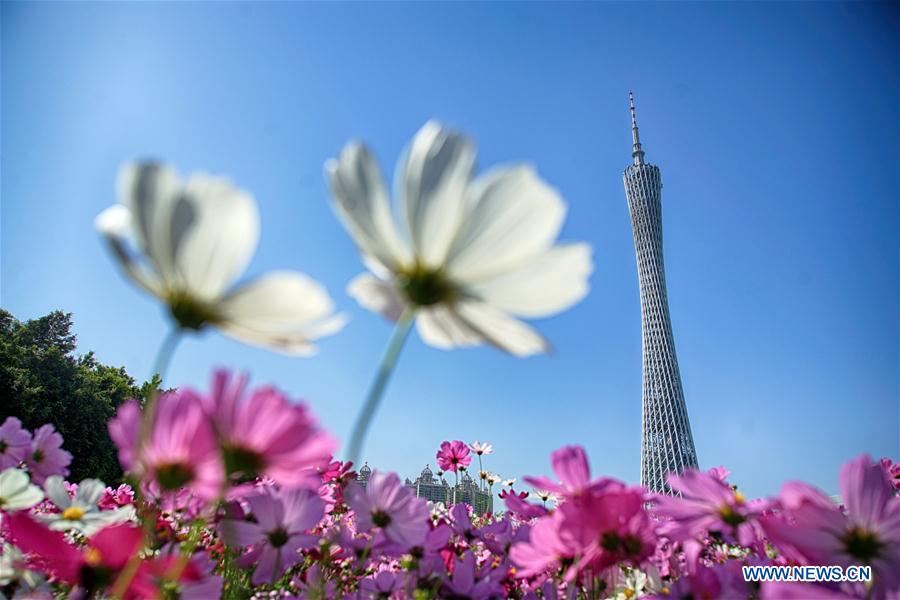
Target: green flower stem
{"x": 388, "y": 362}
{"x": 160, "y": 366}
{"x": 481, "y": 480}
{"x": 165, "y": 353}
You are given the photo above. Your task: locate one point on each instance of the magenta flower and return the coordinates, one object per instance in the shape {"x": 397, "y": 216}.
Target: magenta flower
{"x": 721, "y": 581}
{"x": 264, "y": 434}
{"x": 614, "y": 522}
{"x": 283, "y": 520}
{"x": 390, "y": 506}
{"x": 47, "y": 457}
{"x": 570, "y": 463}
{"x": 811, "y": 529}
{"x": 15, "y": 443}
{"x": 468, "y": 581}
{"x": 180, "y": 450}
{"x": 453, "y": 455}
{"x": 893, "y": 472}
{"x": 707, "y": 505}
{"x": 92, "y": 567}
{"x": 515, "y": 503}
{"x": 545, "y": 550}
{"x": 124, "y": 429}
{"x": 381, "y": 585}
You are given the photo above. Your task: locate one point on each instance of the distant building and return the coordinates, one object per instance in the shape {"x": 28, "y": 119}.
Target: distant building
{"x": 431, "y": 488}
{"x": 667, "y": 445}
{"x": 436, "y": 489}
{"x": 362, "y": 477}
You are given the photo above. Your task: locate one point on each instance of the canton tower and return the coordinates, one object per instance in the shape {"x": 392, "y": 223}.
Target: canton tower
{"x": 667, "y": 444}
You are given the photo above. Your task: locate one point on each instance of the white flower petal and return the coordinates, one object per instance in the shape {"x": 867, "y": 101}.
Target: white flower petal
{"x": 360, "y": 198}
{"x": 115, "y": 225}
{"x": 501, "y": 330}
{"x": 514, "y": 216}
{"x": 283, "y": 310}
{"x": 56, "y": 492}
{"x": 215, "y": 229}
{"x": 17, "y": 491}
{"x": 150, "y": 191}
{"x": 89, "y": 492}
{"x": 377, "y": 295}
{"x": 440, "y": 327}
{"x": 546, "y": 285}
{"x": 431, "y": 182}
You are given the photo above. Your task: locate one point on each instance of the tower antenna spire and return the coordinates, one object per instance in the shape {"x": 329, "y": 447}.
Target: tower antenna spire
{"x": 637, "y": 152}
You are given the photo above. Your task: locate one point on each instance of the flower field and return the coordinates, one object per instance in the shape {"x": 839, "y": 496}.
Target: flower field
{"x": 235, "y": 491}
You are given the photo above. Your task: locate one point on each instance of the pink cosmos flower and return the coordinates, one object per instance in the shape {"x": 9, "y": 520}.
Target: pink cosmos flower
{"x": 196, "y": 581}
{"x": 719, "y": 582}
{"x": 92, "y": 567}
{"x": 893, "y": 471}
{"x": 515, "y": 503}
{"x": 47, "y": 457}
{"x": 15, "y": 443}
{"x": 468, "y": 581}
{"x": 264, "y": 434}
{"x": 387, "y": 504}
{"x": 811, "y": 529}
{"x": 180, "y": 450}
{"x": 720, "y": 473}
{"x": 283, "y": 519}
{"x": 114, "y": 498}
{"x": 545, "y": 550}
{"x": 707, "y": 504}
{"x": 453, "y": 455}
{"x": 614, "y": 523}
{"x": 382, "y": 584}
{"x": 570, "y": 463}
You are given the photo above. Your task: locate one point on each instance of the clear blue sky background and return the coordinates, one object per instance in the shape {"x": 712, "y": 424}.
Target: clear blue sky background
{"x": 775, "y": 126}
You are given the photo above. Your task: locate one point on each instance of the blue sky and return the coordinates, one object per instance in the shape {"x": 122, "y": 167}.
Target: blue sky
{"x": 775, "y": 126}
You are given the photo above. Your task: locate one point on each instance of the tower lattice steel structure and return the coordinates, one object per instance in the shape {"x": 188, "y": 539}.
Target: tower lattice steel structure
{"x": 667, "y": 444}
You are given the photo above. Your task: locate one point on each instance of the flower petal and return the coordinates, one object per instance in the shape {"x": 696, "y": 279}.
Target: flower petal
{"x": 283, "y": 310}
{"x": 377, "y": 295}
{"x": 442, "y": 328}
{"x": 89, "y": 492}
{"x": 220, "y": 226}
{"x": 547, "y": 284}
{"x": 431, "y": 183}
{"x": 514, "y": 216}
{"x": 239, "y": 534}
{"x": 150, "y": 191}
{"x": 360, "y": 198}
{"x": 501, "y": 330}
{"x": 56, "y": 492}
{"x": 115, "y": 224}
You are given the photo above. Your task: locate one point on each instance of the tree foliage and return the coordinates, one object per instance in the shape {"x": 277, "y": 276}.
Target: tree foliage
{"x": 43, "y": 380}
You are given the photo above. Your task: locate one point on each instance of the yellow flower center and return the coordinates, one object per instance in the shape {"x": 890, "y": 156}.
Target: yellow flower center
{"x": 739, "y": 497}
{"x": 92, "y": 557}
{"x": 73, "y": 513}
{"x": 628, "y": 592}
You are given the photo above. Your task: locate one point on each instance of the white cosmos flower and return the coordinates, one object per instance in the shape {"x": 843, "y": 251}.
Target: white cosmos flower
{"x": 509, "y": 482}
{"x": 194, "y": 238}
{"x": 81, "y": 512}
{"x": 473, "y": 255}
{"x": 479, "y": 448}
{"x": 493, "y": 478}
{"x": 16, "y": 490}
